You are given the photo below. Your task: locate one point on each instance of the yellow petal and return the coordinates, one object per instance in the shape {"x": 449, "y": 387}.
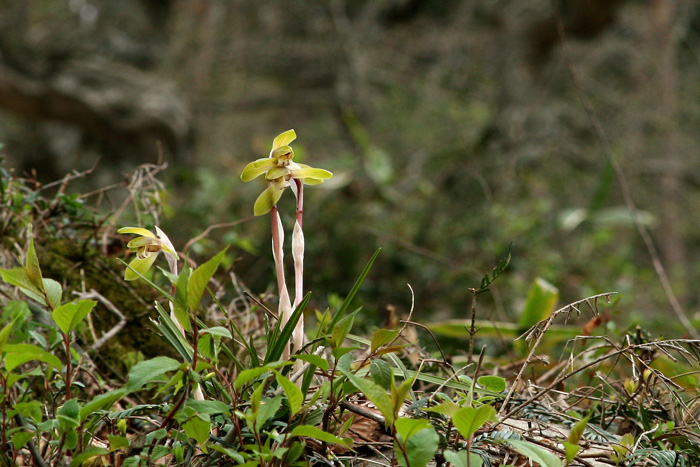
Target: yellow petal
{"x": 285, "y": 152}
{"x": 142, "y": 265}
{"x": 139, "y": 242}
{"x": 311, "y": 172}
{"x": 137, "y": 231}
{"x": 267, "y": 199}
{"x": 283, "y": 139}
{"x": 312, "y": 181}
{"x": 277, "y": 172}
{"x": 257, "y": 168}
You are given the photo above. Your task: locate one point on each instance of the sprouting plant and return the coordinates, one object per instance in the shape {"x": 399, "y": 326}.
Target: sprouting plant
{"x": 282, "y": 172}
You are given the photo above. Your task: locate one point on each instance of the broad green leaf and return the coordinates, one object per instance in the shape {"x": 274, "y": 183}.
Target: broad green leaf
{"x": 314, "y": 360}
{"x": 468, "y": 420}
{"x": 267, "y": 200}
{"x": 294, "y": 394}
{"x": 382, "y": 337}
{"x": 374, "y": 393}
{"x": 199, "y": 430}
{"x": 19, "y": 354}
{"x": 140, "y": 265}
{"x": 623, "y": 448}
{"x": 19, "y": 278}
{"x": 68, "y": 316}
{"x": 578, "y": 429}
{"x": 535, "y": 453}
{"x": 459, "y": 459}
{"x": 54, "y": 292}
{"x": 32, "y": 265}
{"x": 181, "y": 303}
{"x": 266, "y": 410}
{"x": 68, "y": 415}
{"x": 4, "y": 334}
{"x": 199, "y": 279}
{"x": 101, "y": 402}
{"x": 381, "y": 373}
{"x": 247, "y": 375}
{"x": 540, "y": 303}
{"x": 149, "y": 370}
{"x": 571, "y": 450}
{"x": 419, "y": 439}
{"x": 492, "y": 383}
{"x": 284, "y": 139}
{"x": 399, "y": 394}
{"x": 342, "y": 329}
{"x": 20, "y": 438}
{"x": 90, "y": 452}
{"x": 209, "y": 407}
{"x": 218, "y": 331}
{"x": 118, "y": 442}
{"x": 309, "y": 431}
{"x": 447, "y": 408}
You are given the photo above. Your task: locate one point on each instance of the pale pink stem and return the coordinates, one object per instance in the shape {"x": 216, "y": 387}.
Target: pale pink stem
{"x": 298, "y": 255}
{"x": 285, "y": 306}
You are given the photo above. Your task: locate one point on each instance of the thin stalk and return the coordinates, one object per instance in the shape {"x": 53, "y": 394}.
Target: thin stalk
{"x": 298, "y": 255}
{"x": 285, "y": 306}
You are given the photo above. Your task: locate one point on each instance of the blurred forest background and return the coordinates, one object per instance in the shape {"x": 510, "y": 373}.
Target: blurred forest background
{"x": 453, "y": 128}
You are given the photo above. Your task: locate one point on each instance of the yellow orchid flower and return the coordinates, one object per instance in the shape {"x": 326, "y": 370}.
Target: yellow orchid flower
{"x": 279, "y": 169}
{"x": 147, "y": 247}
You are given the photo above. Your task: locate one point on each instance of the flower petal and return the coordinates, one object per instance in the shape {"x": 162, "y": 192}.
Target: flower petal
{"x": 137, "y": 231}
{"x": 283, "y": 139}
{"x": 312, "y": 181}
{"x": 277, "y": 172}
{"x": 285, "y": 152}
{"x": 167, "y": 244}
{"x": 139, "y": 242}
{"x": 257, "y": 168}
{"x": 142, "y": 265}
{"x": 311, "y": 172}
{"x": 267, "y": 199}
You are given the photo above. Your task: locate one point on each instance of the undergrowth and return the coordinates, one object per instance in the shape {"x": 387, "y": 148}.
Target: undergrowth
{"x": 236, "y": 382}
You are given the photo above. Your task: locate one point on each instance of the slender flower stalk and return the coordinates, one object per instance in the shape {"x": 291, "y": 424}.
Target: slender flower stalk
{"x": 282, "y": 172}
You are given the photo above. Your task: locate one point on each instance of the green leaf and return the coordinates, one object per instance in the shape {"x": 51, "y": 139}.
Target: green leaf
{"x": 540, "y": 303}
{"x": 266, "y": 410}
{"x": 19, "y": 278}
{"x": 19, "y": 354}
{"x": 54, "y": 292}
{"x": 294, "y": 394}
{"x": 309, "y": 431}
{"x": 351, "y": 295}
{"x": 374, "y": 393}
{"x": 382, "y": 337}
{"x": 101, "y": 402}
{"x": 578, "y": 429}
{"x": 68, "y": 316}
{"x": 32, "y": 265}
{"x": 5, "y": 334}
{"x": 342, "y": 329}
{"x": 209, "y": 407}
{"x": 419, "y": 439}
{"x": 381, "y": 373}
{"x": 88, "y": 453}
{"x": 447, "y": 408}
{"x": 492, "y": 383}
{"x": 252, "y": 373}
{"x": 20, "y": 438}
{"x": 199, "y": 279}
{"x": 199, "y": 430}
{"x": 218, "y": 331}
{"x": 571, "y": 450}
{"x": 180, "y": 304}
{"x": 149, "y": 370}
{"x": 277, "y": 344}
{"x": 535, "y": 453}
{"x": 459, "y": 459}
{"x": 468, "y": 420}
{"x": 68, "y": 415}
{"x": 314, "y": 360}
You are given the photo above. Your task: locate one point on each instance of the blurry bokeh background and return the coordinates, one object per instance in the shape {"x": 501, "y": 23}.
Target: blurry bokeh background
{"x": 453, "y": 128}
